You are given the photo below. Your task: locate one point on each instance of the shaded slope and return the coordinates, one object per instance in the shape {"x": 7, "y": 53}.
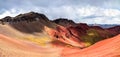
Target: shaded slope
{"x": 115, "y": 29}
{"x": 32, "y": 22}
{"x": 29, "y": 22}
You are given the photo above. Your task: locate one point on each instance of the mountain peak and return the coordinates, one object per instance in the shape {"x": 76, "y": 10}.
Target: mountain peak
{"x": 32, "y": 15}
{"x": 64, "y": 21}
{"x": 29, "y": 17}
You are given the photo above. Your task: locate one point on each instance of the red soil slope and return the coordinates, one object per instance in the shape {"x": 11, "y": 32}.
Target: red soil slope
{"x": 106, "y": 48}
{"x": 15, "y": 48}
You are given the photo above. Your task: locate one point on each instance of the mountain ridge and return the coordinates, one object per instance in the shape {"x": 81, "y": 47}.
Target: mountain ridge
{"x": 61, "y": 28}
{"x": 30, "y": 35}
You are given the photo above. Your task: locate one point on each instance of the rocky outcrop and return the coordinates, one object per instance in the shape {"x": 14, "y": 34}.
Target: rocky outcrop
{"x": 64, "y": 22}
{"x": 5, "y": 19}
{"x": 28, "y": 17}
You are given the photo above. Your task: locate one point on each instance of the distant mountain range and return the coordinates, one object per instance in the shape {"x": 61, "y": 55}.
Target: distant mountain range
{"x": 104, "y": 25}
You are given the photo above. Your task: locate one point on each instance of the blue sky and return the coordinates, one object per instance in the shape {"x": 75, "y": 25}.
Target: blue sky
{"x": 88, "y": 11}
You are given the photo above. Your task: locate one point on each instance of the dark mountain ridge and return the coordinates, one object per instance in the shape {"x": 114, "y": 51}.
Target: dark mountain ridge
{"x": 64, "y": 22}
{"x": 29, "y": 22}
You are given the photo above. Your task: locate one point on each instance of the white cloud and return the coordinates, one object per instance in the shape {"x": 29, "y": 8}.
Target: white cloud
{"x": 15, "y": 11}
{"x": 12, "y": 13}
{"x": 61, "y": 12}
{"x": 111, "y": 12}
{"x": 99, "y": 15}
{"x": 97, "y": 11}
{"x": 86, "y": 11}
{"x": 102, "y": 20}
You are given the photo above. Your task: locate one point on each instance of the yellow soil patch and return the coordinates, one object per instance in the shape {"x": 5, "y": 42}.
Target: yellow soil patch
{"x": 42, "y": 41}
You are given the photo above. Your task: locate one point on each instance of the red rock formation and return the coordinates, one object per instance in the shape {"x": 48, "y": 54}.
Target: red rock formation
{"x": 73, "y": 35}
{"x": 78, "y": 30}
{"x": 63, "y": 35}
